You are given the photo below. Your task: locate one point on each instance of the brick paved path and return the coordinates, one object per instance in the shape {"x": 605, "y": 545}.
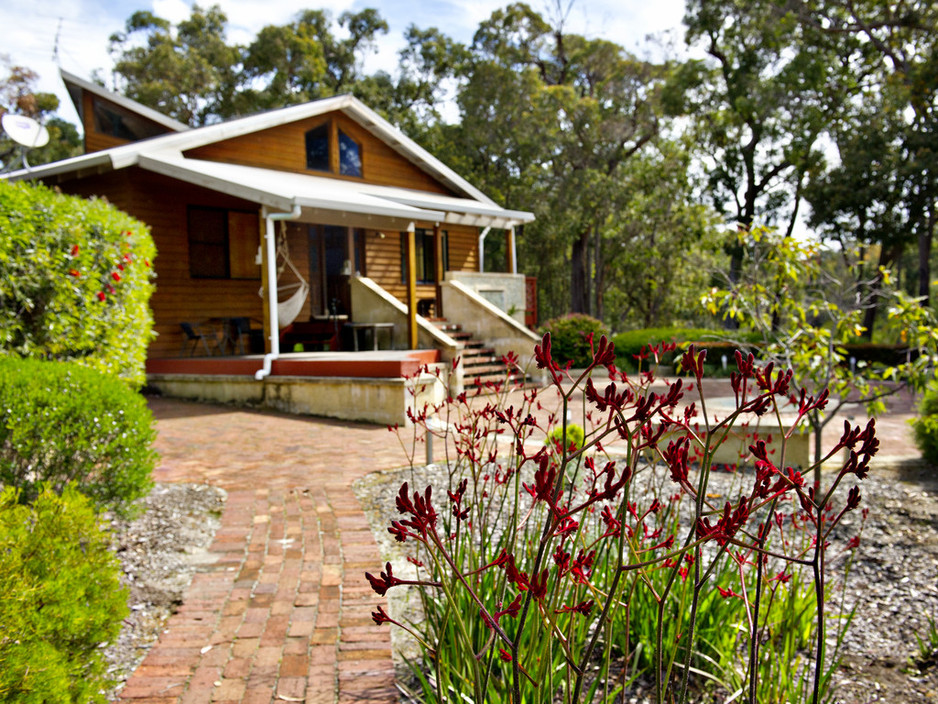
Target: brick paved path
{"x": 283, "y": 612}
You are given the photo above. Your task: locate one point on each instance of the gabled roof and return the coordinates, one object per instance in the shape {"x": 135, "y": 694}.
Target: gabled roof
{"x": 284, "y": 190}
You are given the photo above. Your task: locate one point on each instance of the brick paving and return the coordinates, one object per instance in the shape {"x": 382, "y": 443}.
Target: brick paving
{"x": 282, "y": 612}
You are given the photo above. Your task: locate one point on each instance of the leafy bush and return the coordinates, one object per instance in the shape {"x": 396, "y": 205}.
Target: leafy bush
{"x": 75, "y": 281}
{"x": 925, "y": 427}
{"x": 61, "y": 599}
{"x": 574, "y": 436}
{"x": 629, "y": 344}
{"x": 61, "y": 423}
{"x": 569, "y": 334}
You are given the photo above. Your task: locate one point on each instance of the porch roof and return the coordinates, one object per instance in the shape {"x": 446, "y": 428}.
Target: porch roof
{"x": 332, "y": 201}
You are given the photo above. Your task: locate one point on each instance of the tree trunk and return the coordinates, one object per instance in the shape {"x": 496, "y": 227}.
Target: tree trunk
{"x": 924, "y": 257}
{"x": 579, "y": 268}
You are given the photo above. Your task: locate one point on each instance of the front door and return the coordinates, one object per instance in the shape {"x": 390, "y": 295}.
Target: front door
{"x": 333, "y": 257}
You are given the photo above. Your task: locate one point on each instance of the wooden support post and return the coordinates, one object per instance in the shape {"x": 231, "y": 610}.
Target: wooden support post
{"x": 411, "y": 248}
{"x": 510, "y": 247}
{"x": 440, "y": 268}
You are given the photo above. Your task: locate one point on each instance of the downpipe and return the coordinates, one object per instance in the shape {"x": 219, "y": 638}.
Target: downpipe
{"x": 271, "y": 244}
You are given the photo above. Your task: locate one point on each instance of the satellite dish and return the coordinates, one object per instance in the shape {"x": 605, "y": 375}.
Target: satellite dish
{"x": 26, "y": 132}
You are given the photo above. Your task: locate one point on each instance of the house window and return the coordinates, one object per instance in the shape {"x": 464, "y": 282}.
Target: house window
{"x": 424, "y": 255}
{"x": 115, "y": 121}
{"x": 222, "y": 243}
{"x": 331, "y": 149}
{"x": 350, "y": 156}
{"x": 317, "y": 149}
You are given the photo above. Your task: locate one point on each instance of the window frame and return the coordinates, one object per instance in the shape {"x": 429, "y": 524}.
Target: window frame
{"x": 335, "y": 136}
{"x": 221, "y": 264}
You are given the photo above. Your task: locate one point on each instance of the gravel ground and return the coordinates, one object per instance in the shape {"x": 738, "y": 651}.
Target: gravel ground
{"x": 159, "y": 551}
{"x": 894, "y": 582}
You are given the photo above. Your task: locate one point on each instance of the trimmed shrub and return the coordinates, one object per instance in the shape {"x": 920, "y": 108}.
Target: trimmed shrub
{"x": 717, "y": 343}
{"x": 568, "y": 338}
{"x": 75, "y": 281}
{"x": 61, "y": 599}
{"x": 925, "y": 427}
{"x": 62, "y": 423}
{"x": 574, "y": 436}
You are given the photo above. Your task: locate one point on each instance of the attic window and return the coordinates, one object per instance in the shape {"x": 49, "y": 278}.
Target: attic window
{"x": 331, "y": 149}
{"x": 350, "y": 156}
{"x": 115, "y": 121}
{"x": 317, "y": 149}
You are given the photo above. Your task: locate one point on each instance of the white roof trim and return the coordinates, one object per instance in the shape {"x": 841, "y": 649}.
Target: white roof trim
{"x": 125, "y": 103}
{"x": 282, "y": 190}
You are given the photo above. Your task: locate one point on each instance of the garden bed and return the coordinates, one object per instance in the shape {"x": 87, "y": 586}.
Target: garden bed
{"x": 892, "y": 584}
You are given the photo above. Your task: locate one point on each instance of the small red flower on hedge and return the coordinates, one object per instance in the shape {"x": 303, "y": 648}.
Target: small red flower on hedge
{"x": 75, "y": 250}
{"x": 116, "y": 276}
{"x": 101, "y": 295}
{"x": 74, "y": 272}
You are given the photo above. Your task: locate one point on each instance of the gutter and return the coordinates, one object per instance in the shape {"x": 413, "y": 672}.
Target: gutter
{"x": 271, "y": 245}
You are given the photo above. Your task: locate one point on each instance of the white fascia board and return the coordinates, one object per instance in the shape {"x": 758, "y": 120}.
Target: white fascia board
{"x": 465, "y": 209}
{"x": 97, "y": 161}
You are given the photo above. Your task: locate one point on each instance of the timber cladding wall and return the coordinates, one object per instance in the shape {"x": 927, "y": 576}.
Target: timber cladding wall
{"x": 162, "y": 204}
{"x": 284, "y": 148}
{"x": 383, "y": 257}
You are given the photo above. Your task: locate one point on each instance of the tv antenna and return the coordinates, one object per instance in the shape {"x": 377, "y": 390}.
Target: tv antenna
{"x": 26, "y": 132}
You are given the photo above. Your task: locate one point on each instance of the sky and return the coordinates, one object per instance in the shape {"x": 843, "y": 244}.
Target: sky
{"x": 83, "y": 27}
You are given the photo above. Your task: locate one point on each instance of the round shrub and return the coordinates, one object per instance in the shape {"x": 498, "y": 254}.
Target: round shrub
{"x": 75, "y": 281}
{"x": 62, "y": 423}
{"x": 925, "y": 427}
{"x": 61, "y": 599}
{"x": 569, "y": 338}
{"x": 574, "y": 436}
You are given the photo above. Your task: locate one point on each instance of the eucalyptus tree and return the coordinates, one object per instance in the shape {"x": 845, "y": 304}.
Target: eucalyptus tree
{"x": 759, "y": 103}
{"x": 551, "y": 119}
{"x": 187, "y": 71}
{"x": 891, "y": 47}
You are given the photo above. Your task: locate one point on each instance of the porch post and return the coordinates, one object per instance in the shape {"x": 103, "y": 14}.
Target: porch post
{"x": 440, "y": 268}
{"x": 512, "y": 254}
{"x": 410, "y": 249}
{"x": 265, "y": 278}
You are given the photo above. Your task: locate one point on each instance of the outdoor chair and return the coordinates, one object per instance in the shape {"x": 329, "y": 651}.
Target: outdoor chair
{"x": 193, "y": 337}
{"x": 239, "y": 330}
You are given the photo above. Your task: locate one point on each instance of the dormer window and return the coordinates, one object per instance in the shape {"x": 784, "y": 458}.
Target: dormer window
{"x": 331, "y": 149}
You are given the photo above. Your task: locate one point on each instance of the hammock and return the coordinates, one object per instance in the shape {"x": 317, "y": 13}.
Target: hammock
{"x": 290, "y": 296}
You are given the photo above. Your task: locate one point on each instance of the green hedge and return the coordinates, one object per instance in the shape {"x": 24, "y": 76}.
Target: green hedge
{"x": 716, "y": 342}
{"x": 61, "y": 598}
{"x": 62, "y": 423}
{"x": 75, "y": 281}
{"x": 568, "y": 338}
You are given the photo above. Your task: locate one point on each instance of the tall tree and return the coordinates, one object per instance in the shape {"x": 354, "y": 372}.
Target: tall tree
{"x": 18, "y": 95}
{"x": 759, "y": 103}
{"x": 892, "y": 49}
{"x": 555, "y": 117}
{"x": 188, "y": 72}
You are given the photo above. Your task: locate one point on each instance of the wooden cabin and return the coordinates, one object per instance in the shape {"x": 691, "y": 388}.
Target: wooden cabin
{"x": 314, "y": 197}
